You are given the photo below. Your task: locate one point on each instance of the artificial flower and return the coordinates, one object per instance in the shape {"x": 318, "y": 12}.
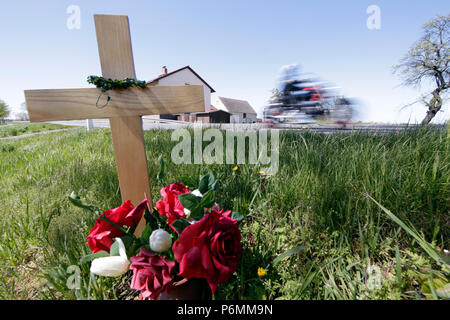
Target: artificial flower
{"x": 111, "y": 266}
{"x": 171, "y": 206}
{"x": 102, "y": 234}
{"x": 160, "y": 240}
{"x": 151, "y": 274}
{"x": 209, "y": 248}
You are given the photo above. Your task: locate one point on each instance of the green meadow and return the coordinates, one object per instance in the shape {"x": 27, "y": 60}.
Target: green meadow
{"x": 313, "y": 226}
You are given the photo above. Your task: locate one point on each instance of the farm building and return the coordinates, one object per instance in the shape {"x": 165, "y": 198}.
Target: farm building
{"x": 232, "y": 110}
{"x": 212, "y": 116}
{"x": 181, "y": 77}
{"x": 241, "y": 111}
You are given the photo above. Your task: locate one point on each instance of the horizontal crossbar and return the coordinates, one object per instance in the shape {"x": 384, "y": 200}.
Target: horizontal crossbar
{"x": 77, "y": 104}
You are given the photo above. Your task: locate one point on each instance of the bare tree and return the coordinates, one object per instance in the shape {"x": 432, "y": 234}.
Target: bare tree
{"x": 428, "y": 60}
{"x": 22, "y": 113}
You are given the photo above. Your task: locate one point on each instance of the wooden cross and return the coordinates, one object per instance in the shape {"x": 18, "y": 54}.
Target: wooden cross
{"x": 124, "y": 110}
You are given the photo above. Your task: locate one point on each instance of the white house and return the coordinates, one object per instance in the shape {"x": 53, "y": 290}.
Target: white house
{"x": 181, "y": 77}
{"x": 241, "y": 111}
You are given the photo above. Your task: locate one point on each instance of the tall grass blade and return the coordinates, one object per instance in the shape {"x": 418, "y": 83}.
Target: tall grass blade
{"x": 412, "y": 232}
{"x": 289, "y": 253}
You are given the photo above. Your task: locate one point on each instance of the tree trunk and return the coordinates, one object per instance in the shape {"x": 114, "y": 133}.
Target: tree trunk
{"x": 434, "y": 106}
{"x": 430, "y": 115}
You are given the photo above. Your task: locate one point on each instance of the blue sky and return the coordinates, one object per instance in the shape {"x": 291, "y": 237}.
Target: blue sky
{"x": 238, "y": 47}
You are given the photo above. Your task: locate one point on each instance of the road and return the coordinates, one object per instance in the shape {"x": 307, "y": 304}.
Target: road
{"x": 352, "y": 127}
{"x": 150, "y": 124}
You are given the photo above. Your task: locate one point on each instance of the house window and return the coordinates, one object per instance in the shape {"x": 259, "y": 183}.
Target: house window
{"x": 245, "y": 115}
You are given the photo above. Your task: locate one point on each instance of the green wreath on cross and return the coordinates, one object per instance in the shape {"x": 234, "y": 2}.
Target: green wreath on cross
{"x": 107, "y": 84}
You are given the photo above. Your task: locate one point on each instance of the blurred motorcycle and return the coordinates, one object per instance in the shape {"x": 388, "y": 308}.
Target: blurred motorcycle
{"x": 307, "y": 100}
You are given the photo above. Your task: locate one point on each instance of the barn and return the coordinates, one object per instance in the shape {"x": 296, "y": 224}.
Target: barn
{"x": 241, "y": 111}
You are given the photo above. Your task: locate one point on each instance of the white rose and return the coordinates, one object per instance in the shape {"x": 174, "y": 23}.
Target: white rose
{"x": 160, "y": 241}
{"x": 111, "y": 266}
{"x": 196, "y": 193}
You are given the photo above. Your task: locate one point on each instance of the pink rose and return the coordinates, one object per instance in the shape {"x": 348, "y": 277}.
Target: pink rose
{"x": 151, "y": 274}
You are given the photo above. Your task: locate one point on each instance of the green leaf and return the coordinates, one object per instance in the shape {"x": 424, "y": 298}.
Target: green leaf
{"x": 156, "y": 221}
{"x": 289, "y": 253}
{"x": 208, "y": 199}
{"x": 180, "y": 225}
{"x": 151, "y": 218}
{"x": 189, "y": 201}
{"x": 214, "y": 185}
{"x": 114, "y": 249}
{"x": 207, "y": 183}
{"x": 90, "y": 257}
{"x": 146, "y": 233}
{"x": 237, "y": 216}
{"x": 161, "y": 171}
{"x": 197, "y": 213}
{"x": 444, "y": 292}
{"x": 128, "y": 241}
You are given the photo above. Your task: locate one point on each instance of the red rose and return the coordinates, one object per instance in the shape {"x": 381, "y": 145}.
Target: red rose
{"x": 151, "y": 273}
{"x": 210, "y": 248}
{"x": 171, "y": 206}
{"x": 102, "y": 234}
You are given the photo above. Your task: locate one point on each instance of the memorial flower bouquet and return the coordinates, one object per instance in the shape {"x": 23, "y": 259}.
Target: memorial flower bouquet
{"x": 186, "y": 236}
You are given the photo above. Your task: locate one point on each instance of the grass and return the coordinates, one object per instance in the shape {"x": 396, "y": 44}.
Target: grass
{"x": 317, "y": 199}
{"x": 26, "y": 128}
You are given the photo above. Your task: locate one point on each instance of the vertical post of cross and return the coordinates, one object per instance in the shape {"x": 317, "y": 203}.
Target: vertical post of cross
{"x": 124, "y": 110}
{"x": 116, "y": 57}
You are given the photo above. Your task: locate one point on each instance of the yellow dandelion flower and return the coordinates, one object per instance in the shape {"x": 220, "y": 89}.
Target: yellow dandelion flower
{"x": 235, "y": 168}
{"x": 303, "y": 128}
{"x": 261, "y": 173}
{"x": 261, "y": 272}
